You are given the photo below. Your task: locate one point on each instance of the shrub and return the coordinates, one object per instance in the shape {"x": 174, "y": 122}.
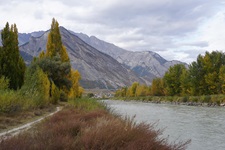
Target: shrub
{"x": 10, "y": 102}
{"x": 77, "y": 129}
{"x": 4, "y": 83}
{"x": 90, "y": 95}
{"x": 37, "y": 87}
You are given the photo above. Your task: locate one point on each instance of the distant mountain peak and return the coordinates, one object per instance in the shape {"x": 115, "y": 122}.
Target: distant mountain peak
{"x": 101, "y": 64}
{"x": 98, "y": 70}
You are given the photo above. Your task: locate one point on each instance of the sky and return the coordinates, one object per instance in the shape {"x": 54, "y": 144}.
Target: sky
{"x": 175, "y": 29}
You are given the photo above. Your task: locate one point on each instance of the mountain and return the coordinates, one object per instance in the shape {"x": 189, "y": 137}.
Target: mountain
{"x": 145, "y": 64}
{"x": 24, "y": 37}
{"x": 98, "y": 70}
{"x": 101, "y": 64}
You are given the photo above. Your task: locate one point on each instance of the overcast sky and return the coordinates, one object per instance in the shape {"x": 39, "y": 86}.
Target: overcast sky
{"x": 176, "y": 29}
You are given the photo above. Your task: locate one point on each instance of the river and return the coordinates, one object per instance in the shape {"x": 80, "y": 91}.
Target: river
{"x": 205, "y": 126}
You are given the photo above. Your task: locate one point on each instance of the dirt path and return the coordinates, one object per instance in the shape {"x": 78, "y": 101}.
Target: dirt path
{"x": 24, "y": 127}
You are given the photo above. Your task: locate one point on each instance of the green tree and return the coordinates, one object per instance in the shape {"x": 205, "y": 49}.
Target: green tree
{"x": 185, "y": 82}
{"x": 204, "y": 73}
{"x": 12, "y": 65}
{"x": 172, "y": 80}
{"x": 157, "y": 87}
{"x": 4, "y": 83}
{"x": 222, "y": 79}
{"x": 37, "y": 86}
{"x": 56, "y": 64}
{"x": 57, "y": 71}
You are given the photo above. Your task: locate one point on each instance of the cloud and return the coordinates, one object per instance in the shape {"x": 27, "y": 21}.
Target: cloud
{"x": 200, "y": 44}
{"x": 170, "y": 27}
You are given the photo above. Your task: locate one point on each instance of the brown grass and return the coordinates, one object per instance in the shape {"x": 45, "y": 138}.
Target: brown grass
{"x": 95, "y": 130}
{"x": 10, "y": 120}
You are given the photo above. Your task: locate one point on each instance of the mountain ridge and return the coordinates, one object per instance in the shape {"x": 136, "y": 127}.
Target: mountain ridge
{"x": 85, "y": 51}
{"x": 147, "y": 64}
{"x": 98, "y": 70}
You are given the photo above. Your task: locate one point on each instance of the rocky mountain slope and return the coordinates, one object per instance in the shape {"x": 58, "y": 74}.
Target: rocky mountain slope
{"x": 24, "y": 37}
{"x": 101, "y": 64}
{"x": 145, "y": 64}
{"x": 98, "y": 70}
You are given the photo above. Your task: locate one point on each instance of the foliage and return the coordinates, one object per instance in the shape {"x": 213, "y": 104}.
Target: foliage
{"x": 94, "y": 129}
{"x": 57, "y": 71}
{"x": 206, "y": 76}
{"x": 157, "y": 88}
{"x": 4, "y": 83}
{"x": 75, "y": 90}
{"x": 172, "y": 80}
{"x": 54, "y": 44}
{"x": 37, "y": 86}
{"x": 131, "y": 91}
{"x": 12, "y": 65}
{"x": 10, "y": 102}
{"x": 56, "y": 64}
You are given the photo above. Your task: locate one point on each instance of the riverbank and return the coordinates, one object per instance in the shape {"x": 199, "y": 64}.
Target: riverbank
{"x": 88, "y": 124}
{"x": 203, "y": 101}
{"x": 12, "y": 120}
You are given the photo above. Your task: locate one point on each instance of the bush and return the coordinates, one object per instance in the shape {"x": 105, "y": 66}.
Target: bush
{"x": 205, "y": 99}
{"x": 90, "y": 95}
{"x": 185, "y": 99}
{"x": 55, "y": 94}
{"x": 10, "y": 102}
{"x": 77, "y": 129}
{"x": 4, "y": 83}
{"x": 37, "y": 87}
{"x": 63, "y": 96}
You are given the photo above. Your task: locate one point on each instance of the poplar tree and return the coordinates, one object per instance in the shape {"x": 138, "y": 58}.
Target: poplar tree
{"x": 56, "y": 64}
{"x": 12, "y": 65}
{"x": 54, "y": 44}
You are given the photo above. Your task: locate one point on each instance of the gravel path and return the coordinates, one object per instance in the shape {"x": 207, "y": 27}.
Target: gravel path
{"x": 24, "y": 127}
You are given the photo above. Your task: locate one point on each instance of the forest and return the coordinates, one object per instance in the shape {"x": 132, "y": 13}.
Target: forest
{"x": 203, "y": 77}
{"x": 46, "y": 80}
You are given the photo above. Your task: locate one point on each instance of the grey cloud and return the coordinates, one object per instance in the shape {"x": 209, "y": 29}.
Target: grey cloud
{"x": 200, "y": 44}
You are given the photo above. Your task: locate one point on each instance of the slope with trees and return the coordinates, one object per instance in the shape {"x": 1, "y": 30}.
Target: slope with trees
{"x": 48, "y": 79}
{"x": 204, "y": 77}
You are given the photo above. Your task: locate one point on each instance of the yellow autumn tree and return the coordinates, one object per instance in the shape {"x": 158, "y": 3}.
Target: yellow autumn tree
{"x": 157, "y": 88}
{"x": 142, "y": 90}
{"x": 75, "y": 91}
{"x": 54, "y": 45}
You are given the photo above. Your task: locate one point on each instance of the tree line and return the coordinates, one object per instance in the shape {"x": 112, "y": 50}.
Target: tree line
{"x": 47, "y": 79}
{"x": 205, "y": 76}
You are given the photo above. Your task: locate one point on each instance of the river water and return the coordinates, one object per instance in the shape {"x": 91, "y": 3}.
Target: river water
{"x": 203, "y": 125}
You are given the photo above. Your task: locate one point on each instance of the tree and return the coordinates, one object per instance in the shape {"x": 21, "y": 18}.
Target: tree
{"x": 4, "y": 83}
{"x": 131, "y": 92}
{"x": 54, "y": 44}
{"x": 12, "y": 65}
{"x": 37, "y": 86}
{"x": 157, "y": 87}
{"x": 204, "y": 73}
{"x": 75, "y": 91}
{"x": 56, "y": 64}
{"x": 142, "y": 90}
{"x": 58, "y": 72}
{"x": 172, "y": 79}
{"x": 222, "y": 79}
{"x": 121, "y": 92}
{"x": 185, "y": 82}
